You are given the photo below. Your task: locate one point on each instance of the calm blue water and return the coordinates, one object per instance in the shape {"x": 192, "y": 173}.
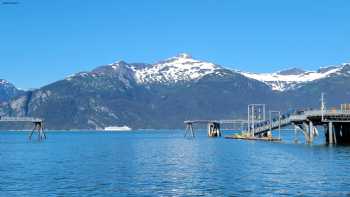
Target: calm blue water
{"x": 163, "y": 163}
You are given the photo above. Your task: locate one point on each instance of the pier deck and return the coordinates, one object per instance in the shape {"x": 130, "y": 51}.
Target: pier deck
{"x": 38, "y": 124}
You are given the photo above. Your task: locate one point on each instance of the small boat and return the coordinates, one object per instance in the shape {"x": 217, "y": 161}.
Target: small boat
{"x": 118, "y": 128}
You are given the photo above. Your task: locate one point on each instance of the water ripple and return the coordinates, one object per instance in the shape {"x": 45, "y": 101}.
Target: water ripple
{"x": 163, "y": 163}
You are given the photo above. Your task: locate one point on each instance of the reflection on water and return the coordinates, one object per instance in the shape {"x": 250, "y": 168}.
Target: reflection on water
{"x": 164, "y": 163}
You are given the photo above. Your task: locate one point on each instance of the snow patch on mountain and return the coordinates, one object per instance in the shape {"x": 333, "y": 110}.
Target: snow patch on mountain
{"x": 80, "y": 74}
{"x": 179, "y": 68}
{"x": 292, "y": 78}
{"x": 184, "y": 68}
{"x": 3, "y": 82}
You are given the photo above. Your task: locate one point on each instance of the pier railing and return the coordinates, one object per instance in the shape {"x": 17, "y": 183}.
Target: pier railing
{"x": 287, "y": 120}
{"x": 20, "y": 119}
{"x": 327, "y": 112}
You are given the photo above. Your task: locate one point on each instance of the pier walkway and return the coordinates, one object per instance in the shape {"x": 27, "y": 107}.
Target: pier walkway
{"x": 20, "y": 119}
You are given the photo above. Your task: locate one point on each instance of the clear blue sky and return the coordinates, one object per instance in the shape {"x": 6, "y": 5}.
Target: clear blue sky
{"x": 42, "y": 41}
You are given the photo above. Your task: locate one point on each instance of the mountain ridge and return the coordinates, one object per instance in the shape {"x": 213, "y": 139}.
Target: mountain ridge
{"x": 183, "y": 67}
{"x": 168, "y": 93}
{"x": 295, "y": 78}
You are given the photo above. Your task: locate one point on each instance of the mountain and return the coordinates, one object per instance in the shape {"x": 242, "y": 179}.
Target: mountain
{"x": 294, "y": 78}
{"x": 164, "y": 94}
{"x": 180, "y": 68}
{"x": 335, "y": 85}
{"x": 159, "y": 95}
{"x": 8, "y": 91}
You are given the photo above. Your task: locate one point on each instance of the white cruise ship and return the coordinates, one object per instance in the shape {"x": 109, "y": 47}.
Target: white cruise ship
{"x": 118, "y": 128}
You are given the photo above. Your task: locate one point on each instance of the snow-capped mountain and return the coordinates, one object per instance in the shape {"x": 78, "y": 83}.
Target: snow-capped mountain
{"x": 294, "y": 78}
{"x": 7, "y": 90}
{"x": 184, "y": 68}
{"x": 3, "y": 82}
{"x": 179, "y": 68}
{"x": 142, "y": 95}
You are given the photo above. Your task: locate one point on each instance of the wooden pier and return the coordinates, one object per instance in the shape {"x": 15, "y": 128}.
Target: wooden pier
{"x": 213, "y": 126}
{"x": 336, "y": 124}
{"x": 37, "y": 122}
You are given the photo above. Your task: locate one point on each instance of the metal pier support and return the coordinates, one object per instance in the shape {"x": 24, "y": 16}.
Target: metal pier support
{"x": 189, "y": 130}
{"x": 39, "y": 127}
{"x": 332, "y": 137}
{"x": 295, "y": 134}
{"x": 214, "y": 129}
{"x": 311, "y": 132}
{"x": 330, "y": 133}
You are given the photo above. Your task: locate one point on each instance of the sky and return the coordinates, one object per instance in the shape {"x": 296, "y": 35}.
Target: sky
{"x": 43, "y": 41}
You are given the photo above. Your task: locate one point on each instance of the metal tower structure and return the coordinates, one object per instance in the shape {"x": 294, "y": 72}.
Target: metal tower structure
{"x": 256, "y": 114}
